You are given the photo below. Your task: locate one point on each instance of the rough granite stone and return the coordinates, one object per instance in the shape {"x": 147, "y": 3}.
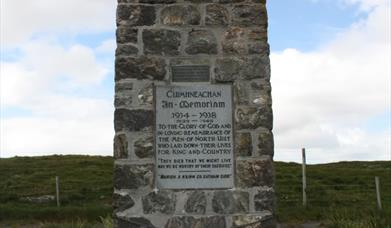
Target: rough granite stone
{"x": 265, "y": 143}
{"x": 262, "y": 86}
{"x": 248, "y": 117}
{"x": 230, "y": 202}
{"x": 253, "y": 221}
{"x": 243, "y": 144}
{"x": 261, "y": 92}
{"x": 161, "y": 42}
{"x": 122, "y": 202}
{"x": 191, "y": 222}
{"x": 234, "y": 41}
{"x": 135, "y": 15}
{"x": 123, "y": 94}
{"x": 254, "y": 173}
{"x": 230, "y": 1}
{"x": 123, "y": 101}
{"x": 120, "y": 146}
{"x": 216, "y": 14}
{"x": 140, "y": 68}
{"x": 196, "y": 203}
{"x": 199, "y": 1}
{"x": 123, "y": 87}
{"x": 261, "y": 99}
{"x": 126, "y": 49}
{"x": 157, "y": 1}
{"x": 249, "y": 15}
{"x": 257, "y": 34}
{"x": 127, "y": 1}
{"x": 257, "y": 67}
{"x": 228, "y": 69}
{"x": 132, "y": 176}
{"x": 264, "y": 200}
{"x": 258, "y": 48}
{"x": 241, "y": 92}
{"x": 145, "y": 94}
{"x": 159, "y": 202}
{"x": 126, "y": 34}
{"x": 201, "y": 42}
{"x": 134, "y": 222}
{"x": 132, "y": 120}
{"x": 180, "y": 15}
{"x": 143, "y": 147}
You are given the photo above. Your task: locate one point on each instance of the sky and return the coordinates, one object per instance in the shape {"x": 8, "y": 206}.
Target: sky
{"x": 331, "y": 78}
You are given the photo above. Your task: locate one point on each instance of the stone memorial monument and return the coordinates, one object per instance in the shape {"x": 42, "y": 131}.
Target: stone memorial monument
{"x": 193, "y": 141}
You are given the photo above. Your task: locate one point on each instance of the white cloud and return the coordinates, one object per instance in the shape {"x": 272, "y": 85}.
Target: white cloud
{"x": 322, "y": 99}
{"x": 45, "y": 81}
{"x": 21, "y": 19}
{"x": 107, "y": 47}
{"x": 47, "y": 68}
{"x": 365, "y": 5}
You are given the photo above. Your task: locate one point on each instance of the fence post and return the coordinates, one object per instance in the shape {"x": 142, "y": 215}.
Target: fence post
{"x": 58, "y": 191}
{"x": 377, "y": 182}
{"x": 304, "y": 178}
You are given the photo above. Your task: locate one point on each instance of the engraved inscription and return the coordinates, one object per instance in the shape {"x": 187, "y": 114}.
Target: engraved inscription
{"x": 194, "y": 144}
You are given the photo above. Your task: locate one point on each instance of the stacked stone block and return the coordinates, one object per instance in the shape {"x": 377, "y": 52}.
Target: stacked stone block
{"x": 230, "y": 36}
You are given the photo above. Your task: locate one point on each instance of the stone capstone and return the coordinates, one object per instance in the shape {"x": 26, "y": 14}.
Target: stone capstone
{"x": 120, "y": 146}
{"x": 134, "y": 222}
{"x": 180, "y": 15}
{"x": 161, "y": 42}
{"x": 196, "y": 203}
{"x": 265, "y": 143}
{"x": 243, "y": 144}
{"x": 247, "y": 117}
{"x": 254, "y": 173}
{"x": 229, "y": 202}
{"x": 135, "y": 15}
{"x": 143, "y": 147}
{"x": 216, "y": 14}
{"x": 191, "y": 222}
{"x": 201, "y": 42}
{"x": 133, "y": 176}
{"x": 122, "y": 202}
{"x": 249, "y": 15}
{"x": 264, "y": 200}
{"x": 159, "y": 202}
{"x": 140, "y": 68}
{"x": 132, "y": 120}
{"x": 234, "y": 41}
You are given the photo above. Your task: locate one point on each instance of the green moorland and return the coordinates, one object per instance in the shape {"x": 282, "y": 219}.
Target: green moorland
{"x": 339, "y": 194}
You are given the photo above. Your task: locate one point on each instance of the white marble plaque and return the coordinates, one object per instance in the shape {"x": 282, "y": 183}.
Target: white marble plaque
{"x": 193, "y": 137}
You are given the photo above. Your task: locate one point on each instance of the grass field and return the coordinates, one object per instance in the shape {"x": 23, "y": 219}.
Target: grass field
{"x": 337, "y": 192}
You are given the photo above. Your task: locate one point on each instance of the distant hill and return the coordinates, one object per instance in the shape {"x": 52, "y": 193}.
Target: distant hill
{"x": 86, "y": 188}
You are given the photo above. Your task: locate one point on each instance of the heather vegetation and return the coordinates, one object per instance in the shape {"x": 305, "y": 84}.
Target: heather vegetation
{"x": 339, "y": 194}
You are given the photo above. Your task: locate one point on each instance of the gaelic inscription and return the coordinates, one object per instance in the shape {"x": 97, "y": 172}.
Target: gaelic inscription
{"x": 193, "y": 141}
